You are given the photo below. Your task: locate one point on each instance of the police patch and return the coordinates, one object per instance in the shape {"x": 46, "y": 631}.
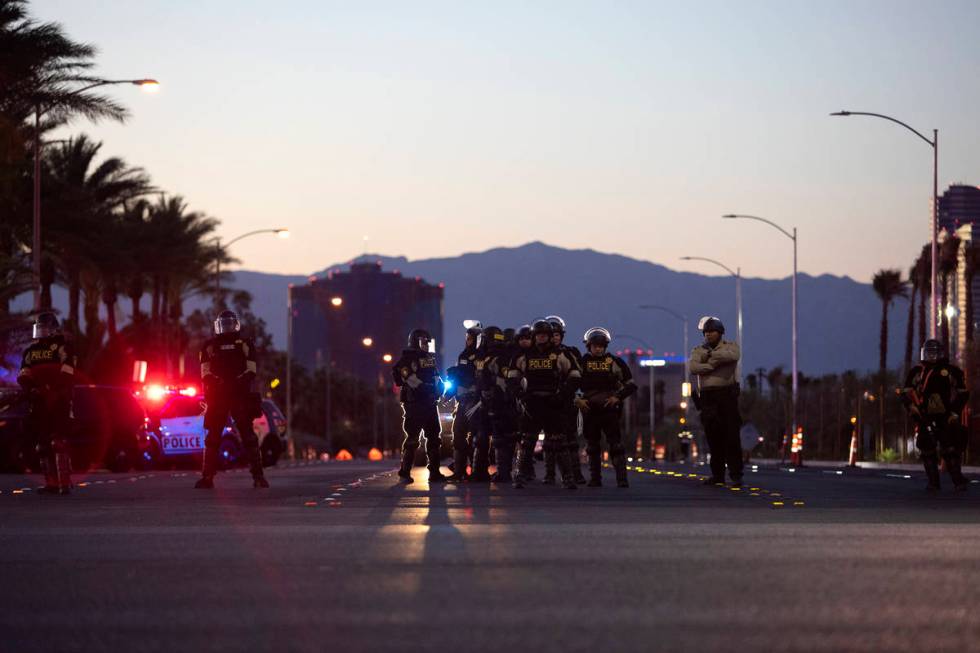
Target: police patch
{"x": 944, "y": 372}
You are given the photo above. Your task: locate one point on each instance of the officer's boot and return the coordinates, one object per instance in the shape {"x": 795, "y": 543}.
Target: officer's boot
{"x": 50, "y": 475}
{"x": 210, "y": 468}
{"x": 576, "y": 461}
{"x": 459, "y": 466}
{"x": 505, "y": 463}
{"x": 481, "y": 465}
{"x": 525, "y": 462}
{"x": 619, "y": 464}
{"x": 954, "y": 465}
{"x": 565, "y": 467}
{"x": 62, "y": 466}
{"x": 550, "y": 459}
{"x": 408, "y": 461}
{"x": 255, "y": 467}
{"x": 595, "y": 468}
{"x": 931, "y": 466}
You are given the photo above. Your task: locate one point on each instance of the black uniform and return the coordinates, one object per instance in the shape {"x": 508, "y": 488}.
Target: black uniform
{"x": 228, "y": 370}
{"x": 604, "y": 377}
{"x": 417, "y": 376}
{"x": 463, "y": 377}
{"x": 570, "y": 420}
{"x": 498, "y": 405}
{"x": 550, "y": 378}
{"x": 47, "y": 374}
{"x": 937, "y": 393}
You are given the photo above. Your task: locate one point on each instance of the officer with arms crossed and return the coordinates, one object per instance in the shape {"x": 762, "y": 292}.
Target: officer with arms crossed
{"x": 228, "y": 369}
{"x": 715, "y": 364}
{"x": 47, "y": 374}
{"x": 606, "y": 382}
{"x": 935, "y": 395}
{"x": 546, "y": 378}
{"x": 463, "y": 378}
{"x": 416, "y": 374}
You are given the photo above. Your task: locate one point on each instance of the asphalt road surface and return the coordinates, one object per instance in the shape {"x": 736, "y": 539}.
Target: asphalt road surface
{"x": 340, "y": 557}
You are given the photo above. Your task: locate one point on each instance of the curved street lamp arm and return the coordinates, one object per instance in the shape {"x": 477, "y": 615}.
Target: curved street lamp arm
{"x": 95, "y": 83}
{"x": 883, "y": 116}
{"x": 711, "y": 260}
{"x": 656, "y": 307}
{"x": 251, "y": 233}
{"x": 737, "y": 216}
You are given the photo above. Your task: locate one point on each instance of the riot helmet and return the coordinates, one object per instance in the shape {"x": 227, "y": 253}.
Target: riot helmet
{"x": 542, "y": 327}
{"x": 710, "y": 323}
{"x": 932, "y": 352}
{"x": 419, "y": 340}
{"x": 46, "y": 325}
{"x": 509, "y": 335}
{"x": 227, "y": 322}
{"x": 597, "y": 336}
{"x": 491, "y": 339}
{"x": 557, "y": 324}
{"x": 524, "y": 334}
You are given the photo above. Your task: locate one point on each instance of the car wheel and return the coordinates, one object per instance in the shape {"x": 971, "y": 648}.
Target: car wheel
{"x": 229, "y": 452}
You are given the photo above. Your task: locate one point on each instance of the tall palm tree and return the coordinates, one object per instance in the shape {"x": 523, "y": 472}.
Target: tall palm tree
{"x": 925, "y": 290}
{"x": 913, "y": 284}
{"x": 888, "y": 285}
{"x": 82, "y": 203}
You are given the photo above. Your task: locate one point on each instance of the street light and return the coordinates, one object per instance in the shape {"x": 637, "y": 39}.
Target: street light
{"x": 146, "y": 84}
{"x": 934, "y": 144}
{"x": 282, "y": 233}
{"x": 367, "y": 342}
{"x": 737, "y": 273}
{"x": 683, "y": 319}
{"x": 793, "y": 237}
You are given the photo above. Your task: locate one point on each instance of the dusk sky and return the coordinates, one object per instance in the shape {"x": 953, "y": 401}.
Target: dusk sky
{"x": 438, "y": 128}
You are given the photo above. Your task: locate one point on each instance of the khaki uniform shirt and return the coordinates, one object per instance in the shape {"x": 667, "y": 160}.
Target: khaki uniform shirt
{"x": 716, "y": 368}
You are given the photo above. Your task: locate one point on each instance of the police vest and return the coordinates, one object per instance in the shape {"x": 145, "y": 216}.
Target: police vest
{"x": 465, "y": 370}
{"x": 935, "y": 389}
{"x": 228, "y": 356}
{"x": 43, "y": 358}
{"x": 541, "y": 371}
{"x": 599, "y": 374}
{"x": 426, "y": 364}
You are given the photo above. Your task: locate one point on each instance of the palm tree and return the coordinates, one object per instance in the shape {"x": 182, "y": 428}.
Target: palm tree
{"x": 913, "y": 282}
{"x": 925, "y": 290}
{"x": 888, "y": 285}
{"x": 84, "y": 199}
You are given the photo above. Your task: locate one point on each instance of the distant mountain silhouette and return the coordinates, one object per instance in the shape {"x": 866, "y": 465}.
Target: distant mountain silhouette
{"x": 510, "y": 286}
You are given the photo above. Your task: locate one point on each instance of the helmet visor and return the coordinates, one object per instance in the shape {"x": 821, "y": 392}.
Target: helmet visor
{"x": 597, "y": 335}
{"x": 227, "y": 325}
{"x": 42, "y": 331}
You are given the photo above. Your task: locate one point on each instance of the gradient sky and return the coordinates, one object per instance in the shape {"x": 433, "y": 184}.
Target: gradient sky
{"x": 437, "y": 128}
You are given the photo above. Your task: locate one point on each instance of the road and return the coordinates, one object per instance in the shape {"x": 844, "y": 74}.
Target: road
{"x": 340, "y": 557}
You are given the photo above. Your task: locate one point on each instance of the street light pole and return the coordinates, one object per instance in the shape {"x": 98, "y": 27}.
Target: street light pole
{"x": 652, "y": 407}
{"x": 737, "y": 273}
{"x": 795, "y": 338}
{"x": 282, "y": 232}
{"x": 38, "y": 112}
{"x": 934, "y": 144}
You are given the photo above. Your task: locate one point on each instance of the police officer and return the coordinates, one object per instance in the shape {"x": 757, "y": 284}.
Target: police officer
{"x": 228, "y": 369}
{"x": 498, "y": 403}
{"x": 47, "y": 375}
{"x": 606, "y": 383}
{"x": 546, "y": 379}
{"x": 481, "y": 420}
{"x": 463, "y": 386}
{"x": 523, "y": 339}
{"x": 935, "y": 395}
{"x": 421, "y": 387}
{"x": 715, "y": 362}
{"x": 570, "y": 411}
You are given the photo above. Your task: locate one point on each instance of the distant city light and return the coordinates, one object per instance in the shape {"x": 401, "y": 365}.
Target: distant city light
{"x": 274, "y": 384}
{"x": 653, "y": 362}
{"x": 337, "y": 301}
{"x": 386, "y": 358}
{"x": 950, "y": 311}
{"x": 367, "y": 342}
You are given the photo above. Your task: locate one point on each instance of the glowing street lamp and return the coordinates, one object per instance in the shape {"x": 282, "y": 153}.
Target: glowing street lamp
{"x": 367, "y": 342}
{"x": 336, "y": 302}
{"x": 387, "y": 358}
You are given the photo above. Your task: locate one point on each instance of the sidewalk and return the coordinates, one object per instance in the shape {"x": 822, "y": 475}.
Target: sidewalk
{"x": 898, "y": 467}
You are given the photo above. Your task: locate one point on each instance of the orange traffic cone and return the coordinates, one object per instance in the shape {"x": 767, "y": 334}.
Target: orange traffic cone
{"x": 852, "y": 459}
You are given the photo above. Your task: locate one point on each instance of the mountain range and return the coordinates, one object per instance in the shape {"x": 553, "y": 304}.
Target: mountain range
{"x": 839, "y": 318}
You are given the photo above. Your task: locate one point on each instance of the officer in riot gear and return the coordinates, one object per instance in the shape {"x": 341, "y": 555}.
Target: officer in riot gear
{"x": 606, "y": 383}
{"x": 497, "y": 403}
{"x": 523, "y": 339}
{"x": 570, "y": 412}
{"x": 545, "y": 378}
{"x": 935, "y": 395}
{"x": 462, "y": 377}
{"x": 715, "y": 362}
{"x": 47, "y": 375}
{"x": 421, "y": 388}
{"x": 228, "y": 371}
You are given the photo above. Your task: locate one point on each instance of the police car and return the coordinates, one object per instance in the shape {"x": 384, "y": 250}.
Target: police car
{"x": 176, "y": 430}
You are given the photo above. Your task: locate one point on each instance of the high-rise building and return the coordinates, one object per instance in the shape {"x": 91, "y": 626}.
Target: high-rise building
{"x": 352, "y": 320}
{"x": 959, "y": 215}
{"x": 959, "y": 206}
